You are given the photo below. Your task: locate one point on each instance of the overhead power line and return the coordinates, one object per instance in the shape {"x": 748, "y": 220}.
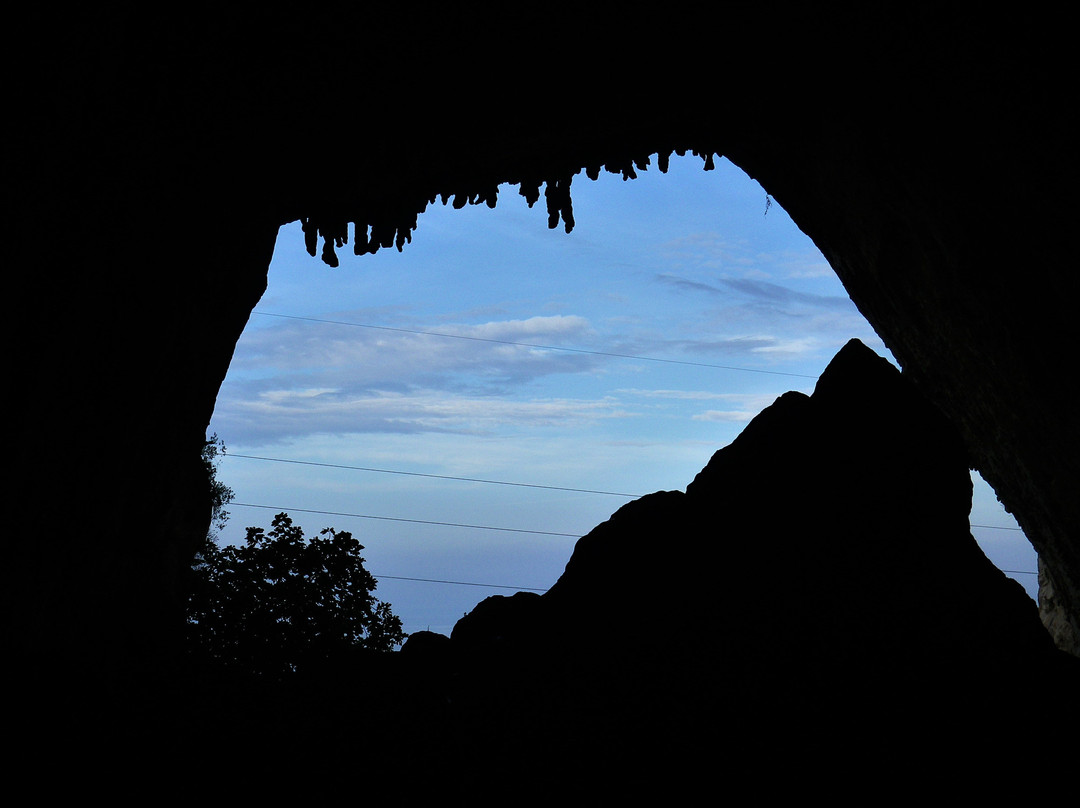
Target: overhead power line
{"x": 490, "y": 482}
{"x": 540, "y": 347}
{"x": 436, "y": 476}
{"x": 460, "y": 524}
{"x": 459, "y": 583}
{"x": 402, "y": 519}
{"x": 498, "y": 482}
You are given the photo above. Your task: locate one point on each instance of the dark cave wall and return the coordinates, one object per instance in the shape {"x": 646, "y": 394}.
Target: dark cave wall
{"x": 945, "y": 242}
{"x": 156, "y": 163}
{"x": 121, "y": 383}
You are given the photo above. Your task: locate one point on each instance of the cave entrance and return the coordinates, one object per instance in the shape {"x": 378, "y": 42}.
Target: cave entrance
{"x": 469, "y": 406}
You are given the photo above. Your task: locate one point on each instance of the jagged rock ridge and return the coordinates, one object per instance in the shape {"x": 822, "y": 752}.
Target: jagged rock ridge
{"x": 928, "y": 157}
{"x": 819, "y": 571}
{"x": 811, "y": 611}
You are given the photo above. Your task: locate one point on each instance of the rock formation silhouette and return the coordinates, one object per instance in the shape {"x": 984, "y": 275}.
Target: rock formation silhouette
{"x": 821, "y": 560}
{"x": 821, "y": 598}
{"x": 155, "y": 153}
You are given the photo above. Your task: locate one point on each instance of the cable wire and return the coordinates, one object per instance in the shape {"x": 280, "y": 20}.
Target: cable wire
{"x": 436, "y": 476}
{"x": 491, "y": 482}
{"x": 498, "y": 482}
{"x": 459, "y": 583}
{"x": 402, "y": 519}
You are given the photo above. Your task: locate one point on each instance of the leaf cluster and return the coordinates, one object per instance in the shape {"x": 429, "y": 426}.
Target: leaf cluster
{"x": 281, "y": 602}
{"x": 220, "y": 494}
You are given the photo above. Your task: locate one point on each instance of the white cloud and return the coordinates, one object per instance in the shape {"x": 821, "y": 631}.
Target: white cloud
{"x": 789, "y": 348}
{"x": 745, "y": 406}
{"x": 730, "y": 416}
{"x": 353, "y": 360}
{"x": 275, "y": 415}
{"x": 521, "y": 330}
{"x": 749, "y": 400}
{"x": 676, "y": 394}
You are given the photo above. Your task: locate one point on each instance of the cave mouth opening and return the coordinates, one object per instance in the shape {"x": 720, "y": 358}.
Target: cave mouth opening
{"x": 470, "y": 405}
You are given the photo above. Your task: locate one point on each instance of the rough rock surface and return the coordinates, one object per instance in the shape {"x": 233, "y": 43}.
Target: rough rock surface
{"x": 835, "y": 527}
{"x": 822, "y": 619}
{"x": 819, "y": 585}
{"x": 929, "y": 156}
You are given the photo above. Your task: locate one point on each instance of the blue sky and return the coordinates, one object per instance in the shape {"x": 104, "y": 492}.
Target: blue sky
{"x": 616, "y": 358}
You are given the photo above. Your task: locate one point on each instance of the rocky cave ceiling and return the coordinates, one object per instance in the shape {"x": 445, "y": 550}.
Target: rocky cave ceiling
{"x": 928, "y": 158}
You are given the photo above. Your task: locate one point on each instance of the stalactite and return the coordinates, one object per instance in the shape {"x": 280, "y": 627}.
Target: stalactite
{"x": 488, "y": 196}
{"x": 383, "y": 234}
{"x": 329, "y": 257}
{"x": 621, "y": 166}
{"x": 557, "y": 195}
{"x": 361, "y": 246}
{"x": 530, "y": 189}
{"x": 311, "y": 235}
{"x": 395, "y": 227}
{"x": 403, "y": 235}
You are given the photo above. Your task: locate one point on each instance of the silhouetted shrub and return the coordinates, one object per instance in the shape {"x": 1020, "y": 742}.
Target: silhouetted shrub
{"x": 280, "y": 602}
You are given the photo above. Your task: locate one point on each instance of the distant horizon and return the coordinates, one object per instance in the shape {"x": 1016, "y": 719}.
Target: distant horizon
{"x": 497, "y": 374}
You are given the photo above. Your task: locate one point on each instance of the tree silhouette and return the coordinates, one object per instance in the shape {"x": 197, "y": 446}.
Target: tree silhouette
{"x": 280, "y": 602}
{"x": 220, "y": 494}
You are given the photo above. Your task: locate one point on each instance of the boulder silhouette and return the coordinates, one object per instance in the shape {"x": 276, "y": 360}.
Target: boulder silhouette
{"x": 817, "y": 578}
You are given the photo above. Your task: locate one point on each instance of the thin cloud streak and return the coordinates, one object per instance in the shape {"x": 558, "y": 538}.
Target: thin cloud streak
{"x": 280, "y": 414}
{"x": 319, "y": 354}
{"x": 758, "y": 290}
{"x": 307, "y": 376}
{"x": 727, "y": 416}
